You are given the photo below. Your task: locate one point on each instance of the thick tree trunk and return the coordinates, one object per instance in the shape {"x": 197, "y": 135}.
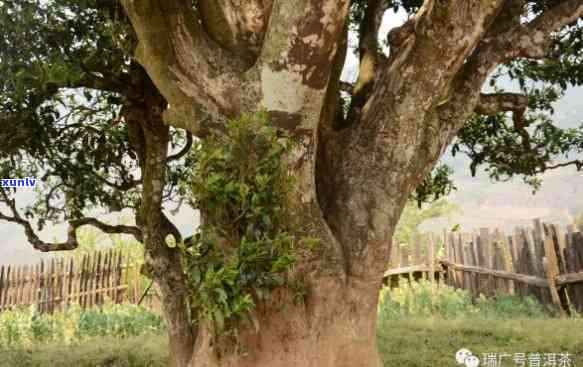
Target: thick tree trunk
{"x": 335, "y": 327}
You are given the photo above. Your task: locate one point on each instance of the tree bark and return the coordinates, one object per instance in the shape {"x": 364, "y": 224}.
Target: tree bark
{"x": 150, "y": 137}
{"x": 334, "y": 327}
{"x": 354, "y": 173}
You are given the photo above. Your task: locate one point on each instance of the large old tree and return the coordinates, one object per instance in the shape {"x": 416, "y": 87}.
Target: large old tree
{"x": 362, "y": 149}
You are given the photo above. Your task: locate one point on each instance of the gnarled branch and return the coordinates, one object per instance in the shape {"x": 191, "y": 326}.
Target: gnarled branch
{"x": 533, "y": 39}
{"x": 578, "y": 163}
{"x": 193, "y": 73}
{"x": 505, "y": 41}
{"x": 370, "y": 56}
{"x": 107, "y": 228}
{"x": 71, "y": 243}
{"x": 491, "y": 104}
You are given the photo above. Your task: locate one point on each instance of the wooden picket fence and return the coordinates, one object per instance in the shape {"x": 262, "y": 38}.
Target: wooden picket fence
{"x": 89, "y": 281}
{"x": 543, "y": 261}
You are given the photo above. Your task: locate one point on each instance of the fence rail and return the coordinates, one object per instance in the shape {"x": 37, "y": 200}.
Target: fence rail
{"x": 88, "y": 281}
{"x": 543, "y": 261}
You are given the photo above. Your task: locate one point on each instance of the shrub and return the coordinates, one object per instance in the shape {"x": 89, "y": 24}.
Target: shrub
{"x": 246, "y": 243}
{"x": 424, "y": 299}
{"x": 25, "y": 327}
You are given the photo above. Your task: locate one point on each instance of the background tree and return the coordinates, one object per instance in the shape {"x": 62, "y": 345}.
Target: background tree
{"x": 73, "y": 110}
{"x": 357, "y": 161}
{"x": 412, "y": 217}
{"x": 579, "y": 221}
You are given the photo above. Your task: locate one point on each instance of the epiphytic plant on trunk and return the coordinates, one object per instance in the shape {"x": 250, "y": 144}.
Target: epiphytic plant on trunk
{"x": 248, "y": 241}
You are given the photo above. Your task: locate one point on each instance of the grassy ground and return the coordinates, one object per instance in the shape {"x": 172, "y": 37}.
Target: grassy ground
{"x": 120, "y": 336}
{"x": 408, "y": 343}
{"x": 148, "y": 350}
{"x": 418, "y": 326}
{"x": 434, "y": 342}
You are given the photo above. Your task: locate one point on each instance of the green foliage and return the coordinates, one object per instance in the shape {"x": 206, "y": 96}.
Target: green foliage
{"x": 436, "y": 185}
{"x": 413, "y": 216}
{"x": 507, "y": 151}
{"x": 423, "y": 299}
{"x": 245, "y": 245}
{"x": 26, "y": 327}
{"x": 506, "y": 147}
{"x": 67, "y": 70}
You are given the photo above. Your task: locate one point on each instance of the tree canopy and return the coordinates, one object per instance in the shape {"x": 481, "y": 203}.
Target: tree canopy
{"x": 68, "y": 84}
{"x": 68, "y": 69}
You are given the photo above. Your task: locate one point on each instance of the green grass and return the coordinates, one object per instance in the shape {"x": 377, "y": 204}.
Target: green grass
{"x": 434, "y": 341}
{"x": 422, "y": 299}
{"x": 117, "y": 336}
{"x": 26, "y": 328}
{"x": 418, "y": 326}
{"x": 147, "y": 350}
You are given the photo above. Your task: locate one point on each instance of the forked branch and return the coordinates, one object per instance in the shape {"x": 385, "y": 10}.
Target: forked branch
{"x": 492, "y": 104}
{"x": 71, "y": 243}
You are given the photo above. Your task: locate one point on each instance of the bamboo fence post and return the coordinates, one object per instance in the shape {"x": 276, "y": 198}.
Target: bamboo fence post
{"x": 83, "y": 282}
{"x": 97, "y": 276}
{"x": 41, "y": 288}
{"x": 431, "y": 259}
{"x": 2, "y": 287}
{"x": 118, "y": 278}
{"x": 16, "y": 287}
{"x": 105, "y": 279}
{"x": 552, "y": 269}
{"x": 92, "y": 293}
{"x": 70, "y": 279}
{"x": 486, "y": 245}
{"x": 7, "y": 288}
{"x": 51, "y": 286}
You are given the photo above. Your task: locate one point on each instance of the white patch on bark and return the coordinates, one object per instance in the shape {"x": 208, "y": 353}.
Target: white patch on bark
{"x": 282, "y": 90}
{"x": 330, "y": 10}
{"x": 539, "y": 37}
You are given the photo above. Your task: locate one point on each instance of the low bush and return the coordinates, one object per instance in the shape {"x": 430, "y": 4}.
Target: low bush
{"x": 424, "y": 299}
{"x": 26, "y": 327}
